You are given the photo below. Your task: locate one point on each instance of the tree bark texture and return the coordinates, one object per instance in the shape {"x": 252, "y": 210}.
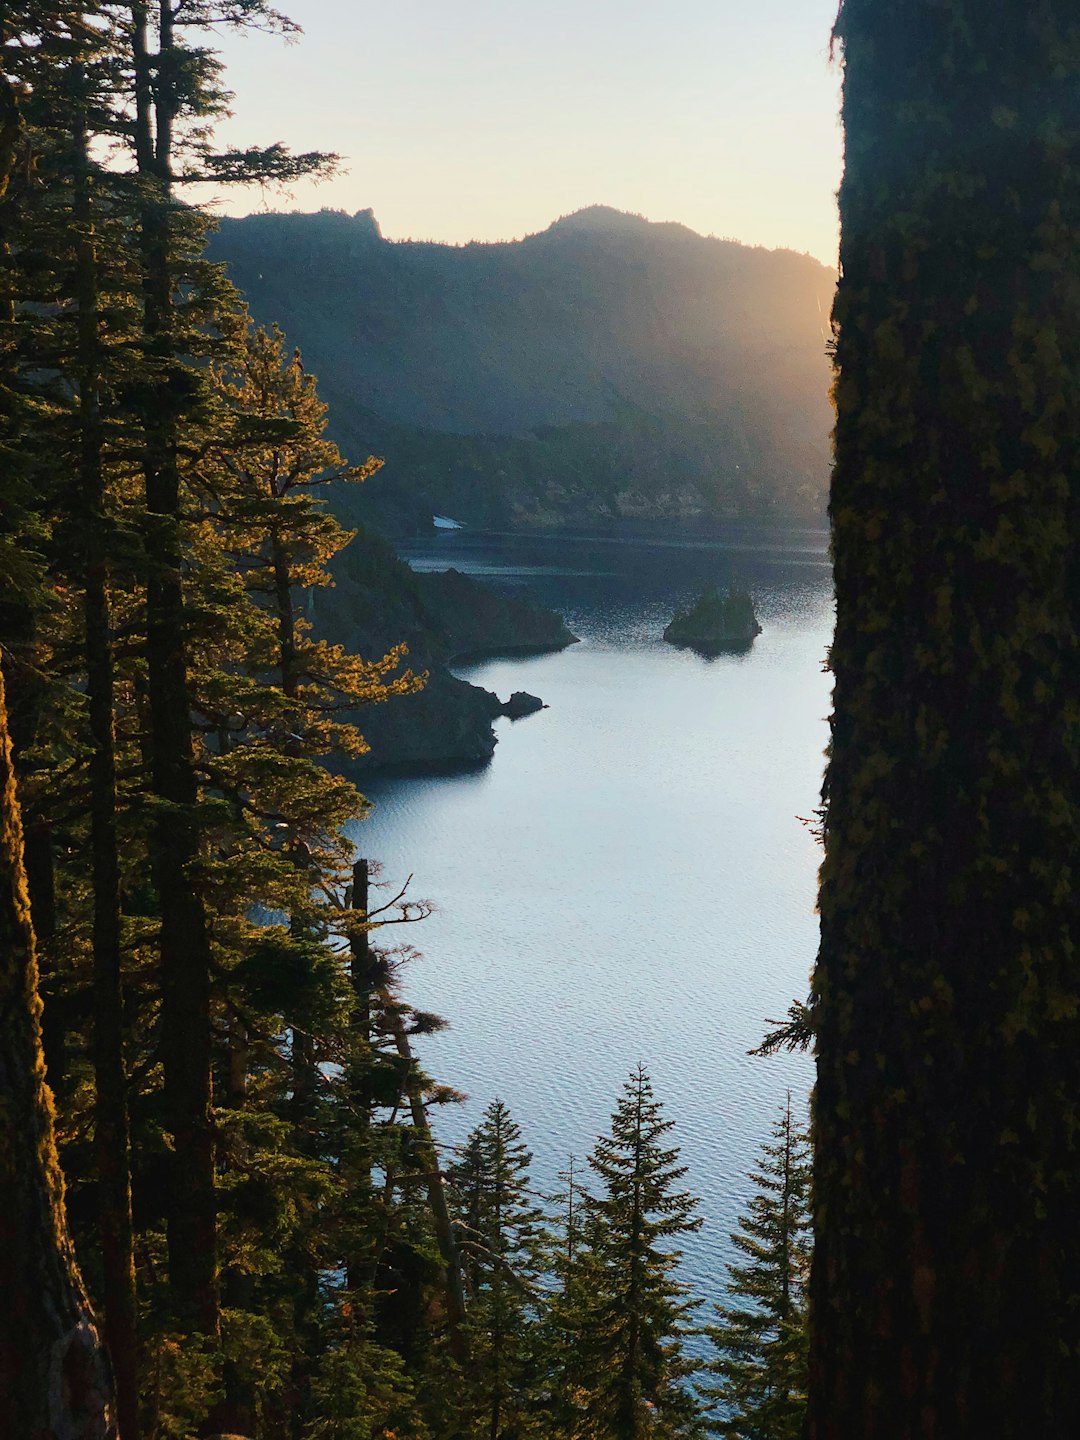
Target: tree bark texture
{"x": 111, "y": 1130}
{"x": 946, "y": 1280}
{"x": 55, "y": 1382}
{"x": 364, "y": 973}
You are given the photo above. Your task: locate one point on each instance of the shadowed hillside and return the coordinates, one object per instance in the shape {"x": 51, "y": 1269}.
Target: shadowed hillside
{"x": 607, "y": 367}
{"x": 377, "y": 601}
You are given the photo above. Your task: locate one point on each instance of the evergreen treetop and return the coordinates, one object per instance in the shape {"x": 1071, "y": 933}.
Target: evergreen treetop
{"x": 636, "y": 1313}
{"x": 761, "y": 1334}
{"x": 499, "y": 1234}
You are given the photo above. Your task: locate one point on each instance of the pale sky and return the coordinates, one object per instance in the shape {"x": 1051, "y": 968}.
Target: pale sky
{"x": 488, "y": 119}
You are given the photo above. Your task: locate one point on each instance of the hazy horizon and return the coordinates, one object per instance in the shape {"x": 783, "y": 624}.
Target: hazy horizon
{"x": 710, "y": 116}
{"x": 238, "y": 212}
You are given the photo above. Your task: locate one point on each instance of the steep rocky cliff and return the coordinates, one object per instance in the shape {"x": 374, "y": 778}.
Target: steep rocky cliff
{"x": 378, "y": 602}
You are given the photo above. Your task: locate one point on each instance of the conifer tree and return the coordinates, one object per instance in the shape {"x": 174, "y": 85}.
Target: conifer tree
{"x": 762, "y": 1332}
{"x": 92, "y": 524}
{"x": 567, "y": 1271}
{"x": 63, "y": 63}
{"x": 175, "y": 92}
{"x": 265, "y": 477}
{"x": 636, "y": 1314}
{"x": 499, "y": 1228}
{"x": 945, "y": 1291}
{"x": 273, "y": 702}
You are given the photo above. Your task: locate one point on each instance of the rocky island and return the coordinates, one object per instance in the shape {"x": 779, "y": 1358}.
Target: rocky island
{"x": 521, "y": 703}
{"x": 715, "y": 622}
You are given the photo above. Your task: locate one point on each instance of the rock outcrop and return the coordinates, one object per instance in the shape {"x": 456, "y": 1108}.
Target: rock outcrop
{"x": 377, "y": 602}
{"x": 481, "y": 622}
{"x": 715, "y": 623}
{"x": 521, "y": 703}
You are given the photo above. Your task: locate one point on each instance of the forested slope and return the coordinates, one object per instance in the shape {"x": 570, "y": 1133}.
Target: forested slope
{"x": 607, "y": 367}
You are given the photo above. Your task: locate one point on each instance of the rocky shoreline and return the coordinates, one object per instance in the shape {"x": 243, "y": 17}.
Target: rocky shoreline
{"x": 444, "y": 618}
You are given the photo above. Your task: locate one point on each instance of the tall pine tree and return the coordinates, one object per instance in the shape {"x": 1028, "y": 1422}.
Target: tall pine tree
{"x": 175, "y": 92}
{"x": 499, "y": 1225}
{"x": 630, "y": 1368}
{"x": 761, "y": 1336}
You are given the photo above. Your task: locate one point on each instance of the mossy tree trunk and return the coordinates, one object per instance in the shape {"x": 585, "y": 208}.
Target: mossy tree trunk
{"x": 55, "y": 1381}
{"x": 946, "y": 1284}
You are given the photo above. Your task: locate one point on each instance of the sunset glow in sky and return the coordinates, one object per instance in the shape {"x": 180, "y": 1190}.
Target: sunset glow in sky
{"x": 487, "y": 119}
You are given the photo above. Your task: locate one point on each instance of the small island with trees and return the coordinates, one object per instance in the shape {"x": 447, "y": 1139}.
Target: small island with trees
{"x": 716, "y": 622}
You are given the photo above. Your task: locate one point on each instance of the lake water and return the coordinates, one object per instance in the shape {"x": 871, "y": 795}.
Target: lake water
{"x": 629, "y": 879}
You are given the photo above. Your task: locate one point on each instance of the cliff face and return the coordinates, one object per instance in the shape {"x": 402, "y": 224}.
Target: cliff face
{"x": 605, "y": 368}
{"x": 378, "y": 602}
{"x": 448, "y": 726}
{"x": 477, "y": 620}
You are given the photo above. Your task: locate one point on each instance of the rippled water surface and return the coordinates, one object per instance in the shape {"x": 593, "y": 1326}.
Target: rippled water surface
{"x": 629, "y": 879}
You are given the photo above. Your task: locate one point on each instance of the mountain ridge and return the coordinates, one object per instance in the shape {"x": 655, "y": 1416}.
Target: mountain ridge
{"x": 605, "y": 367}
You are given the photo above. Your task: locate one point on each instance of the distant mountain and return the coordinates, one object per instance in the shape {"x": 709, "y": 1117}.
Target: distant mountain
{"x": 607, "y": 367}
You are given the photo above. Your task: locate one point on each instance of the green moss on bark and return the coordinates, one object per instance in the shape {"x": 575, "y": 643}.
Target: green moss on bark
{"x": 946, "y": 1294}
{"x": 54, "y": 1380}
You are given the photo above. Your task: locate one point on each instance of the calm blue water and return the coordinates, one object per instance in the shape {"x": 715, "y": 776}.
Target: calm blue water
{"x": 629, "y": 879}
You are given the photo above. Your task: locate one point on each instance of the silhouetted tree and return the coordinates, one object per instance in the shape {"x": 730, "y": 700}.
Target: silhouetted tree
{"x": 946, "y": 1279}
{"x": 499, "y": 1228}
{"x": 761, "y": 1336}
{"x": 174, "y": 93}
{"x": 630, "y": 1366}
